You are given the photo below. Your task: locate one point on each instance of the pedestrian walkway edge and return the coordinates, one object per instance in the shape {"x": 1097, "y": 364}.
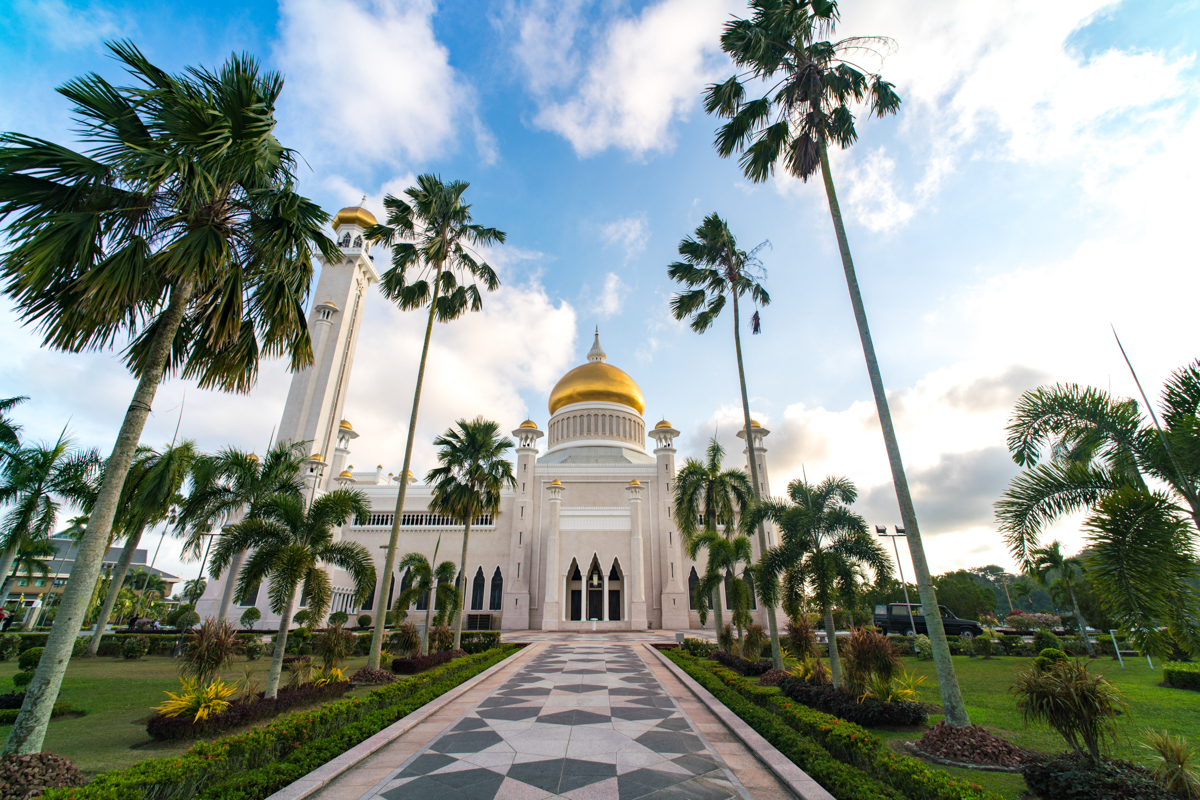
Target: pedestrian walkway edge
{"x": 792, "y": 776}
{"x": 323, "y": 775}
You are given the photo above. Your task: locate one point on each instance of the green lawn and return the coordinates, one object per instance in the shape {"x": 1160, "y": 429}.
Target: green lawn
{"x": 117, "y": 697}
{"x": 985, "y": 686}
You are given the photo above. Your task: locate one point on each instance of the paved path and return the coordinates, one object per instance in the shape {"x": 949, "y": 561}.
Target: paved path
{"x": 585, "y": 721}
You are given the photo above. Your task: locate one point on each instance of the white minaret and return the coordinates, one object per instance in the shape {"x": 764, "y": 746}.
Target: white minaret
{"x": 313, "y": 412}
{"x": 517, "y": 586}
{"x": 674, "y": 582}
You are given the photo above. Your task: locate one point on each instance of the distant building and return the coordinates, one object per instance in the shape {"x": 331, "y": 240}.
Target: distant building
{"x": 26, "y": 590}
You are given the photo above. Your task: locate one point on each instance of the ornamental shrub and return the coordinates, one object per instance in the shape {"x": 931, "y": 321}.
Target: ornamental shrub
{"x": 1082, "y": 706}
{"x": 868, "y": 655}
{"x": 28, "y": 660}
{"x": 440, "y": 638}
{"x": 237, "y": 714}
{"x": 210, "y": 649}
{"x": 134, "y": 648}
{"x": 740, "y": 665}
{"x": 252, "y": 648}
{"x": 869, "y": 712}
{"x": 10, "y": 646}
{"x": 479, "y": 641}
{"x": 1073, "y": 776}
{"x": 924, "y": 648}
{"x": 250, "y": 616}
{"x": 364, "y": 620}
{"x": 411, "y": 666}
{"x": 698, "y": 647}
{"x": 1019, "y": 620}
{"x": 1043, "y": 639}
{"x": 982, "y": 646}
{"x": 22, "y": 679}
{"x": 334, "y": 646}
{"x": 801, "y": 638}
{"x": 406, "y": 640}
{"x": 339, "y": 618}
{"x": 1182, "y": 675}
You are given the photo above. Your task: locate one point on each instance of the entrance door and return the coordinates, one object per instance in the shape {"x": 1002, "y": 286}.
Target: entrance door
{"x": 576, "y": 604}
{"x": 614, "y": 604}
{"x": 595, "y": 604}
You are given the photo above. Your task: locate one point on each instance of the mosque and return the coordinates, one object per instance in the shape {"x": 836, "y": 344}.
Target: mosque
{"x": 586, "y": 541}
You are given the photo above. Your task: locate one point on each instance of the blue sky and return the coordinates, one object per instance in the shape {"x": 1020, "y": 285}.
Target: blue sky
{"x": 1037, "y": 185}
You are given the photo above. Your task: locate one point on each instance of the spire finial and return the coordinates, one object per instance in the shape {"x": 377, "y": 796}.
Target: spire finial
{"x": 363, "y": 202}
{"x": 597, "y": 352}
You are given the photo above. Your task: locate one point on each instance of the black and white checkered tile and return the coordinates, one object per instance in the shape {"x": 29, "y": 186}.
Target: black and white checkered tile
{"x": 585, "y": 722}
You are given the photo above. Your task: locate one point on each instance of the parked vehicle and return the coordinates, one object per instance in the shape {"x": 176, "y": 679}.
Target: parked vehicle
{"x": 894, "y": 618}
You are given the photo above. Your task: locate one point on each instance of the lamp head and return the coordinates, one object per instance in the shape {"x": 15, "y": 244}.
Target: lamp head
{"x": 900, "y": 530}
{"x": 881, "y": 530}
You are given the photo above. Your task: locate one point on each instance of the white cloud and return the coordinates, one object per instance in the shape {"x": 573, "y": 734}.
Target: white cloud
{"x": 61, "y": 27}
{"x": 612, "y": 296}
{"x": 871, "y": 195}
{"x": 370, "y": 79}
{"x": 630, "y": 234}
{"x": 646, "y": 71}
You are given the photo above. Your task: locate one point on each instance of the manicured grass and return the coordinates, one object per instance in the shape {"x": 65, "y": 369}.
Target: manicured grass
{"x": 118, "y": 696}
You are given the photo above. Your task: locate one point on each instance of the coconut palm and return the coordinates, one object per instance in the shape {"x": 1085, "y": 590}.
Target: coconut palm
{"x": 10, "y": 432}
{"x": 148, "y": 498}
{"x": 714, "y": 270}
{"x": 811, "y": 88}
{"x": 143, "y": 581}
{"x": 178, "y": 231}
{"x": 826, "y": 545}
{"x": 432, "y": 265}
{"x": 35, "y": 482}
{"x": 434, "y": 584}
{"x": 467, "y": 483}
{"x": 1021, "y": 590}
{"x": 1084, "y": 450}
{"x": 287, "y": 545}
{"x": 708, "y": 496}
{"x": 233, "y": 485}
{"x": 31, "y": 559}
{"x": 1052, "y": 569}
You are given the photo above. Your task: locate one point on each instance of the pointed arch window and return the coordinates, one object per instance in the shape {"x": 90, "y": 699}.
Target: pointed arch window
{"x": 497, "y": 597}
{"x": 406, "y": 581}
{"x": 693, "y": 582}
{"x": 477, "y": 590}
{"x": 345, "y": 242}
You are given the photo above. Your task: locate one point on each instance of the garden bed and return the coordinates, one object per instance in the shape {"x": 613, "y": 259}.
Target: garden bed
{"x": 239, "y": 714}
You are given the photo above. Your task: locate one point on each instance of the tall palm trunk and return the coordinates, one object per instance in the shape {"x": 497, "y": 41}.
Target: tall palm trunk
{"x": 29, "y": 729}
{"x": 1082, "y": 622}
{"x": 835, "y": 660}
{"x": 389, "y": 561}
{"x": 280, "y": 646}
{"x": 6, "y": 566}
{"x": 114, "y": 588}
{"x": 235, "y": 568}
{"x": 718, "y": 595}
{"x": 952, "y": 700}
{"x": 772, "y": 626}
{"x": 462, "y": 588}
{"x": 428, "y": 617}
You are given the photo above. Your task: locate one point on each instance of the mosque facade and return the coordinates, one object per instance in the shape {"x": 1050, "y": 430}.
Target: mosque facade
{"x": 587, "y": 540}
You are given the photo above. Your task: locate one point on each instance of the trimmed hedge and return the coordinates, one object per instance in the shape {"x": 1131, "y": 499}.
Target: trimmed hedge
{"x": 478, "y": 641}
{"x": 238, "y": 714}
{"x": 411, "y": 666}
{"x": 1068, "y": 775}
{"x": 255, "y": 764}
{"x": 869, "y": 712}
{"x": 10, "y": 645}
{"x": 850, "y": 746}
{"x": 1182, "y": 675}
{"x": 9, "y": 715}
{"x": 741, "y": 666}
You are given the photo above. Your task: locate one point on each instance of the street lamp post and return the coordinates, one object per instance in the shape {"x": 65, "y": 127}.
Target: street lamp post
{"x": 882, "y": 531}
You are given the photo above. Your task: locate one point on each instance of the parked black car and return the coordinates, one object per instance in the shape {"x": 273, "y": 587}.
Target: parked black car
{"x": 894, "y": 618}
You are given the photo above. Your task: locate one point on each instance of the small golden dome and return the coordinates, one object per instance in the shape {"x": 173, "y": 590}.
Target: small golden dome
{"x": 346, "y": 425}
{"x": 529, "y": 424}
{"x": 254, "y": 457}
{"x": 354, "y": 215}
{"x": 597, "y": 381}
{"x": 635, "y": 482}
{"x": 556, "y": 482}
{"x": 753, "y": 424}
{"x": 316, "y": 457}
{"x": 346, "y": 474}
{"x": 663, "y": 424}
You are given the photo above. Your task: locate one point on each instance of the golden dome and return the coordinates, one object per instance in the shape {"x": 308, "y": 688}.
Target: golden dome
{"x": 753, "y": 424}
{"x": 354, "y": 215}
{"x": 529, "y": 424}
{"x": 556, "y": 482}
{"x": 663, "y": 424}
{"x": 345, "y": 424}
{"x": 346, "y": 474}
{"x": 597, "y": 382}
{"x": 253, "y": 457}
{"x": 635, "y": 482}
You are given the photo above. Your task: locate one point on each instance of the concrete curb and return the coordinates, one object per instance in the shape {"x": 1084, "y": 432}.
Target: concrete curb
{"x": 325, "y": 774}
{"x": 792, "y": 776}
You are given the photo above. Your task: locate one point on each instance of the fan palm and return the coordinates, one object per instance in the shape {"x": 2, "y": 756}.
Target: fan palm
{"x": 150, "y": 494}
{"x": 823, "y": 546}
{"x": 35, "y": 482}
{"x": 713, "y": 269}
{"x": 812, "y": 88}
{"x": 1051, "y": 568}
{"x": 432, "y": 265}
{"x": 1083, "y": 449}
{"x": 177, "y": 230}
{"x": 435, "y": 584}
{"x": 233, "y": 485}
{"x": 467, "y": 483}
{"x": 708, "y": 496}
{"x": 287, "y": 545}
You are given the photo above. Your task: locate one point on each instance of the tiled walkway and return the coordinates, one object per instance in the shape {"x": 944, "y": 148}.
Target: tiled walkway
{"x": 581, "y": 721}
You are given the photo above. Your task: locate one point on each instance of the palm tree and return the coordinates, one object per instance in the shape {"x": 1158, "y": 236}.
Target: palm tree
{"x": 10, "y": 432}
{"x": 179, "y": 230}
{"x": 706, "y": 494}
{"x": 467, "y": 484}
{"x": 31, "y": 559}
{"x": 231, "y": 486}
{"x": 287, "y": 544}
{"x": 1021, "y": 590}
{"x": 150, "y": 494}
{"x": 713, "y": 268}
{"x": 825, "y": 544}
{"x": 432, "y": 265}
{"x": 143, "y": 581}
{"x": 435, "y": 585}
{"x": 1084, "y": 450}
{"x": 1051, "y": 568}
{"x": 35, "y": 482}
{"x": 725, "y": 554}
{"x": 811, "y": 88}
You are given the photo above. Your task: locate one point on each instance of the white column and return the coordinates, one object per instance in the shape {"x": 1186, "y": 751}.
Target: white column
{"x": 551, "y": 610}
{"x": 604, "y": 596}
{"x": 637, "y": 574}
